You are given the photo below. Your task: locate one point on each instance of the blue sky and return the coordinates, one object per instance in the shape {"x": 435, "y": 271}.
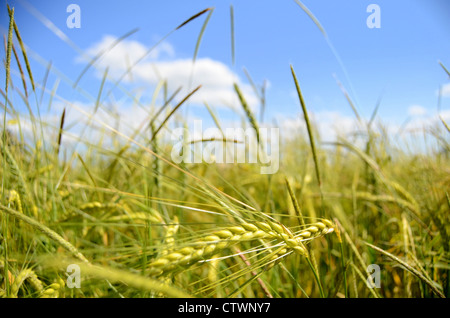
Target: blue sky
{"x": 398, "y": 61}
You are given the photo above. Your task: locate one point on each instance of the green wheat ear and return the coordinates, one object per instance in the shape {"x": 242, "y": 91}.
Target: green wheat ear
{"x": 308, "y": 127}
{"x": 8, "y": 50}
{"x": 251, "y": 118}
{"x": 22, "y": 47}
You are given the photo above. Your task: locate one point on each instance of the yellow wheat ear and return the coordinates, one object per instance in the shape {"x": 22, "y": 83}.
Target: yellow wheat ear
{"x": 26, "y": 275}
{"x": 213, "y": 243}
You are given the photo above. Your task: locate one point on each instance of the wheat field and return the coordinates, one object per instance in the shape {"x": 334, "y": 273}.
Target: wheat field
{"x": 136, "y": 224}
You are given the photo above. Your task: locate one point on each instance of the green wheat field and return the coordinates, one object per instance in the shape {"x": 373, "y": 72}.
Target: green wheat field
{"x": 137, "y": 225}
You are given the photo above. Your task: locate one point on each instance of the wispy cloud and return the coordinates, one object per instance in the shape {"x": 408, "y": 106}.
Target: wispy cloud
{"x": 417, "y": 110}
{"x": 445, "y": 90}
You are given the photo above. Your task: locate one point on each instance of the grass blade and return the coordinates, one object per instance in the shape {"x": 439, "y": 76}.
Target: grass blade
{"x": 173, "y": 111}
{"x": 232, "y": 34}
{"x": 22, "y": 75}
{"x": 330, "y": 45}
{"x": 410, "y": 269}
{"x": 100, "y": 54}
{"x": 444, "y": 68}
{"x": 87, "y": 170}
{"x": 195, "y": 16}
{"x": 153, "y": 47}
{"x": 297, "y": 209}
{"x": 61, "y": 126}
{"x": 308, "y": 127}
{"x": 252, "y": 83}
{"x": 97, "y": 102}
{"x": 166, "y": 103}
{"x": 44, "y": 81}
{"x": 374, "y": 113}
{"x": 47, "y": 231}
{"x": 312, "y": 17}
{"x": 347, "y": 96}
{"x": 263, "y": 100}
{"x": 200, "y": 36}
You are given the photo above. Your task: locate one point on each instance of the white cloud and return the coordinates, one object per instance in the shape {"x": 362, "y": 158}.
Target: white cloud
{"x": 445, "y": 90}
{"x": 329, "y": 124}
{"x": 332, "y": 124}
{"x": 445, "y": 115}
{"x": 416, "y": 110}
{"x": 124, "y": 53}
{"x": 215, "y": 77}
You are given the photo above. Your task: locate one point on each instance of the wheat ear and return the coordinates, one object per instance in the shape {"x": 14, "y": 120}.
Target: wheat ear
{"x": 26, "y": 274}
{"x": 217, "y": 241}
